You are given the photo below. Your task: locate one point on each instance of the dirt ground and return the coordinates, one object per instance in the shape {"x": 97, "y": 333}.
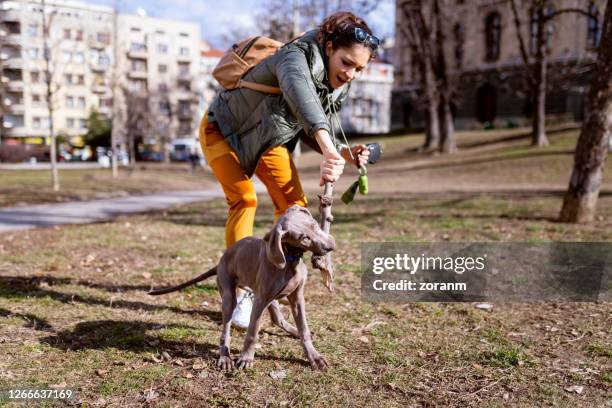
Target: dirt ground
{"x": 74, "y": 312}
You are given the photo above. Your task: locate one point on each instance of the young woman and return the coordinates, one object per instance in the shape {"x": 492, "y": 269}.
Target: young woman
{"x": 246, "y": 132}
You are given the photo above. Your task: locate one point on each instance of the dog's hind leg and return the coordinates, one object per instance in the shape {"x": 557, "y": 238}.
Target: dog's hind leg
{"x": 298, "y": 309}
{"x": 279, "y": 320}
{"x": 248, "y": 349}
{"x": 228, "y": 304}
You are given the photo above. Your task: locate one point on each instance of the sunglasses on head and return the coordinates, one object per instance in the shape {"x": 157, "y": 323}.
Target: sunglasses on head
{"x": 362, "y": 36}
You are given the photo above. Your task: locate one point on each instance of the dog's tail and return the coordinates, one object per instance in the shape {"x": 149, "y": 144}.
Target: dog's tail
{"x": 205, "y": 275}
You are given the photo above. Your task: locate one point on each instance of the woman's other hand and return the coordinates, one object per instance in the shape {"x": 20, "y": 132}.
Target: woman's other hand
{"x": 361, "y": 153}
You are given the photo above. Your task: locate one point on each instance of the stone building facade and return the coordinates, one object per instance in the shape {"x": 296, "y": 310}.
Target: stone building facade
{"x": 484, "y": 58}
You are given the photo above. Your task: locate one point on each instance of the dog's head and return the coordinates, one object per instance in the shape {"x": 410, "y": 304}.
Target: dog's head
{"x": 297, "y": 228}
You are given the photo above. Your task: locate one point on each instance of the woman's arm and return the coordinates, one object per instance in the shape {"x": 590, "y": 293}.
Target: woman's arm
{"x": 333, "y": 164}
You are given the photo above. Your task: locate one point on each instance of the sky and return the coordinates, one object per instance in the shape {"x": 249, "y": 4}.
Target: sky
{"x": 216, "y": 20}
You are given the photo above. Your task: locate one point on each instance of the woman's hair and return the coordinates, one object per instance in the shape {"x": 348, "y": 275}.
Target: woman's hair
{"x": 339, "y": 28}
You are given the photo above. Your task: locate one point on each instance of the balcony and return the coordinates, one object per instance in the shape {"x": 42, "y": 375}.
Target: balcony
{"x": 13, "y": 39}
{"x": 15, "y": 86}
{"x": 138, "y": 54}
{"x": 7, "y": 16}
{"x": 97, "y": 67}
{"x": 138, "y": 74}
{"x": 185, "y": 76}
{"x": 13, "y": 63}
{"x": 183, "y": 58}
{"x": 16, "y": 108}
{"x": 97, "y": 45}
{"x": 100, "y": 88}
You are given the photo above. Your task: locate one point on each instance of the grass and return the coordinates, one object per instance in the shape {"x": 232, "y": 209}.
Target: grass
{"x": 74, "y": 308}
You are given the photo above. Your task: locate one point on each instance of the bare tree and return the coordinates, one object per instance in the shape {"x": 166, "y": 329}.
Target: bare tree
{"x": 426, "y": 31}
{"x": 541, "y": 16}
{"x": 581, "y": 197}
{"x": 52, "y": 88}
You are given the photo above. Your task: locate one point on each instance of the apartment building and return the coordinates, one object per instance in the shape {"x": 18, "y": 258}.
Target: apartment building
{"x": 484, "y": 57}
{"x": 208, "y": 85}
{"x": 80, "y": 49}
{"x": 157, "y": 62}
{"x": 368, "y": 107}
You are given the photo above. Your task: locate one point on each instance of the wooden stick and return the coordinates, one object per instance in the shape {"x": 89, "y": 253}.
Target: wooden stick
{"x": 324, "y": 263}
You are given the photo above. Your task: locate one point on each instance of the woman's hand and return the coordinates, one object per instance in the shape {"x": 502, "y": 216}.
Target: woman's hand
{"x": 333, "y": 163}
{"x": 361, "y": 153}
{"x": 331, "y": 167}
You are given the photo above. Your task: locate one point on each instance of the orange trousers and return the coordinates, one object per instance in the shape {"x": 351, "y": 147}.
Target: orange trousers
{"x": 276, "y": 170}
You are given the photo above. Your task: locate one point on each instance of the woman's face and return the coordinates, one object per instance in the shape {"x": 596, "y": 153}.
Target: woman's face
{"x": 345, "y": 64}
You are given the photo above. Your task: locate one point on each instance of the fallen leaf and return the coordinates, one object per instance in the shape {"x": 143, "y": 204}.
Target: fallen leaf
{"x": 146, "y": 275}
{"x": 155, "y": 359}
{"x": 484, "y": 306}
{"x": 100, "y": 372}
{"x": 149, "y": 395}
{"x": 364, "y": 339}
{"x": 278, "y": 374}
{"x": 199, "y": 366}
{"x": 187, "y": 374}
{"x": 166, "y": 356}
{"x": 179, "y": 363}
{"x": 577, "y": 389}
{"x": 202, "y": 374}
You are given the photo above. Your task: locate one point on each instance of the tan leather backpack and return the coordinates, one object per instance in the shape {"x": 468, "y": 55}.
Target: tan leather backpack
{"x": 240, "y": 58}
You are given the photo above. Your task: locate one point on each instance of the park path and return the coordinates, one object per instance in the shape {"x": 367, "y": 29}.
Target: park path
{"x": 84, "y": 212}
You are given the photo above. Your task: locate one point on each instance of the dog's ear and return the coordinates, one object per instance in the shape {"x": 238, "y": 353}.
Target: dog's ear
{"x": 296, "y": 207}
{"x": 274, "y": 246}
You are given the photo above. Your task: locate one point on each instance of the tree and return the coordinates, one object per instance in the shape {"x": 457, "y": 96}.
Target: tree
{"x": 541, "y": 14}
{"x": 51, "y": 89}
{"x": 581, "y": 197}
{"x": 98, "y": 131}
{"x": 426, "y": 31}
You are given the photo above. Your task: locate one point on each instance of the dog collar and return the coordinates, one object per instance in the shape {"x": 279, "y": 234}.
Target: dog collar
{"x": 292, "y": 258}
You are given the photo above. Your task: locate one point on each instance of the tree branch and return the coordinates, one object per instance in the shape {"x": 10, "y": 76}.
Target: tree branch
{"x": 519, "y": 35}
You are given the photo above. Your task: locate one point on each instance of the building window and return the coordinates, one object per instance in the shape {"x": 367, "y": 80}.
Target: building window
{"x": 36, "y": 122}
{"x": 70, "y": 102}
{"x": 593, "y": 32}
{"x": 79, "y": 35}
{"x": 66, "y": 56}
{"x": 34, "y": 53}
{"x": 103, "y": 60}
{"x": 67, "y": 79}
{"x": 81, "y": 79}
{"x": 32, "y": 30}
{"x": 459, "y": 44}
{"x": 184, "y": 34}
{"x": 66, "y": 34}
{"x": 184, "y": 51}
{"x": 81, "y": 102}
{"x": 103, "y": 38}
{"x": 135, "y": 29}
{"x": 492, "y": 36}
{"x": 164, "y": 108}
{"x": 533, "y": 29}
{"x": 83, "y": 123}
{"x": 162, "y": 88}
{"x": 139, "y": 66}
{"x": 70, "y": 123}
{"x": 162, "y": 48}
{"x": 138, "y": 47}
{"x": 36, "y": 98}
{"x": 183, "y": 69}
{"x": 79, "y": 57}
{"x": 162, "y": 68}
{"x": 35, "y": 77}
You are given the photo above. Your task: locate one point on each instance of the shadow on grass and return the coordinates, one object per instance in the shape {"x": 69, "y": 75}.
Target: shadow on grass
{"x": 30, "y": 287}
{"x": 130, "y": 335}
{"x": 139, "y": 336}
{"x": 31, "y": 321}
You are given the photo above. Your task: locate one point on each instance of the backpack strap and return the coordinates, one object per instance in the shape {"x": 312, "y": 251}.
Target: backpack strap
{"x": 259, "y": 87}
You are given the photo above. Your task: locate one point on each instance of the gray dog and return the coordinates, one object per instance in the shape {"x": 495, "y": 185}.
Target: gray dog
{"x": 272, "y": 268}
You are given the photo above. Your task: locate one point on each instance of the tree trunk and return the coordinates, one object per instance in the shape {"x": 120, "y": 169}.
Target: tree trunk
{"x": 448, "y": 143}
{"x": 538, "y": 137}
{"x": 581, "y": 197}
{"x": 432, "y": 100}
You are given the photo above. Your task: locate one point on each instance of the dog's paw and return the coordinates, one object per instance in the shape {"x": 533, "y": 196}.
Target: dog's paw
{"x": 318, "y": 362}
{"x": 225, "y": 363}
{"x": 244, "y": 362}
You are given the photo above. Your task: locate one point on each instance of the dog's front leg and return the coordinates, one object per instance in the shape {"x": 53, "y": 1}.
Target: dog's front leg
{"x": 228, "y": 304}
{"x": 298, "y": 309}
{"x": 248, "y": 350}
{"x": 278, "y": 319}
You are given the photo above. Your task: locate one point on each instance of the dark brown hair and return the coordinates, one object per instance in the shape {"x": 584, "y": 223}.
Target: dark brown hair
{"x": 339, "y": 28}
